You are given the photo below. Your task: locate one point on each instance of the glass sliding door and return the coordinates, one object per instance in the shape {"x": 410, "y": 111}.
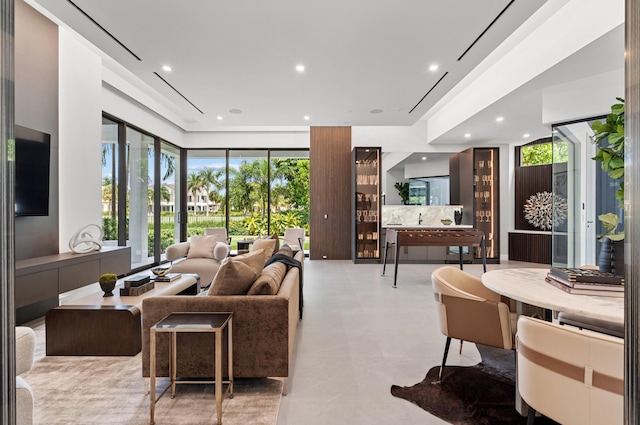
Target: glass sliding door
{"x": 289, "y": 206}
{"x": 575, "y": 195}
{"x": 206, "y": 190}
{"x": 140, "y": 166}
{"x": 110, "y": 181}
{"x": 169, "y": 196}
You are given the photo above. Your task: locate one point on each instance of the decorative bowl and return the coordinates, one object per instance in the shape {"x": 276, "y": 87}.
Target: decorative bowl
{"x": 446, "y": 221}
{"x": 160, "y": 271}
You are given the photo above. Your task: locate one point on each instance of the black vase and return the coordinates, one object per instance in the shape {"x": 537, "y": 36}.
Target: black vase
{"x": 457, "y": 217}
{"x": 108, "y": 288}
{"x": 611, "y": 257}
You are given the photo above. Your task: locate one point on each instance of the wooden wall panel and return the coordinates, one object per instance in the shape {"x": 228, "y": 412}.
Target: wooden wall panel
{"x": 529, "y": 181}
{"x": 531, "y": 247}
{"x": 330, "y": 193}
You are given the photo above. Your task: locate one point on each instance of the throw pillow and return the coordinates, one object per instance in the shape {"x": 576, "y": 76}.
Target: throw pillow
{"x": 202, "y": 246}
{"x": 286, "y": 250}
{"x": 277, "y": 239}
{"x": 268, "y": 283}
{"x": 220, "y": 251}
{"x": 267, "y": 245}
{"x": 236, "y": 274}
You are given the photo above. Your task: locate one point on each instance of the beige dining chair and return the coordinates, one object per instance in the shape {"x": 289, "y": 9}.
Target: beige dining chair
{"x": 572, "y": 376}
{"x": 469, "y": 311}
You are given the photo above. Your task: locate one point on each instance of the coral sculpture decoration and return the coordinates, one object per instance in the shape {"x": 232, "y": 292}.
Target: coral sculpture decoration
{"x": 539, "y": 211}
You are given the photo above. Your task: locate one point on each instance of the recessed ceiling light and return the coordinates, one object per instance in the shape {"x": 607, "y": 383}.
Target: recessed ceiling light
{"x": 375, "y": 111}
{"x": 526, "y": 135}
{"x": 166, "y": 68}
{"x": 424, "y": 158}
{"x": 300, "y": 68}
{"x": 235, "y": 111}
{"x": 467, "y": 135}
{"x": 499, "y": 119}
{"x": 219, "y": 118}
{"x": 306, "y": 117}
{"x": 433, "y": 68}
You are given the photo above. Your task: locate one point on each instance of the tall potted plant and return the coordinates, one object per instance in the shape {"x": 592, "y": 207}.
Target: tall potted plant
{"x": 609, "y": 138}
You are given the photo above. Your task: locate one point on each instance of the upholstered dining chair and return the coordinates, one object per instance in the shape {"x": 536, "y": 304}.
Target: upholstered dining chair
{"x": 469, "y": 311}
{"x": 294, "y": 238}
{"x": 570, "y": 375}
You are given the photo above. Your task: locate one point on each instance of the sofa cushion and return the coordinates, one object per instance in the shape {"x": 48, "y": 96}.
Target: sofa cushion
{"x": 267, "y": 245}
{"x": 268, "y": 283}
{"x": 236, "y": 274}
{"x": 221, "y": 251}
{"x": 202, "y": 246}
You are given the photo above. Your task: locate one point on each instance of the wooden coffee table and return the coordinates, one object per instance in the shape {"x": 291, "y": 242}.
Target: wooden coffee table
{"x": 106, "y": 326}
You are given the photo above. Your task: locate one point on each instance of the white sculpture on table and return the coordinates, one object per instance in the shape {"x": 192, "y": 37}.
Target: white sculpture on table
{"x": 87, "y": 239}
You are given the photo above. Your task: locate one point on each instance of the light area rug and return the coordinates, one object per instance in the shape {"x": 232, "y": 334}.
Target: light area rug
{"x": 110, "y": 390}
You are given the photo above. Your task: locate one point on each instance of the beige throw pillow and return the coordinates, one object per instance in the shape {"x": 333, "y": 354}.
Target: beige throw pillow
{"x": 277, "y": 239}
{"x": 236, "y": 274}
{"x": 268, "y": 283}
{"x": 202, "y": 246}
{"x": 268, "y": 245}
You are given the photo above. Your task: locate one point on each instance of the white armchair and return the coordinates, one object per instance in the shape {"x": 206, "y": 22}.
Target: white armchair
{"x": 25, "y": 350}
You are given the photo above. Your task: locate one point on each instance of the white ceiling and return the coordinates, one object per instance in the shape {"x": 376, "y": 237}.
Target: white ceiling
{"x": 359, "y": 55}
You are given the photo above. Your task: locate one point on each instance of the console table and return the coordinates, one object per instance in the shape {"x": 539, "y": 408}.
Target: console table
{"x": 106, "y": 326}
{"x": 40, "y": 280}
{"x": 432, "y": 237}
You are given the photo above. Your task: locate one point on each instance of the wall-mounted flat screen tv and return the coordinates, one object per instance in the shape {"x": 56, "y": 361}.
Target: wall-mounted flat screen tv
{"x": 32, "y": 167}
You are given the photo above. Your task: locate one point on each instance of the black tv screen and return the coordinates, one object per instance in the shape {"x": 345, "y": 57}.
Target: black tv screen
{"x": 32, "y": 159}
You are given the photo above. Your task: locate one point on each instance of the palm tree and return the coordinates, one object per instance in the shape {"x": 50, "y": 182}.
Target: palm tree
{"x": 194, "y": 184}
{"x": 165, "y": 194}
{"x": 210, "y": 177}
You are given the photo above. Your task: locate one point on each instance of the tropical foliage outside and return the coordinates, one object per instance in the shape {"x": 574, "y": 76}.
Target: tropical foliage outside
{"x": 544, "y": 153}
{"x": 253, "y": 200}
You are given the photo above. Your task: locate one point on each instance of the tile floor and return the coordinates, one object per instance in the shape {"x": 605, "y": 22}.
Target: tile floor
{"x": 359, "y": 336}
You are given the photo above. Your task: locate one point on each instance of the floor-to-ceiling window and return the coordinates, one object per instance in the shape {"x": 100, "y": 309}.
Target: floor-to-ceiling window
{"x": 140, "y": 196}
{"x": 289, "y": 206}
{"x": 110, "y": 181}
{"x": 251, "y": 192}
{"x": 206, "y": 190}
{"x": 248, "y": 193}
{"x": 170, "y": 194}
{"x": 140, "y": 191}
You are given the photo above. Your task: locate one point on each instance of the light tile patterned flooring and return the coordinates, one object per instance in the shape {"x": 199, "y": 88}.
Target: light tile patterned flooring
{"x": 359, "y": 336}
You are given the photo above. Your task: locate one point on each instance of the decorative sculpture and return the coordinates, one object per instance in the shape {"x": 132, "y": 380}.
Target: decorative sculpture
{"x": 87, "y": 239}
{"x": 540, "y": 212}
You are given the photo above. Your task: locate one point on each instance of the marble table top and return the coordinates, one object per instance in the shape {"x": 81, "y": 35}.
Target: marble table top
{"x": 528, "y": 286}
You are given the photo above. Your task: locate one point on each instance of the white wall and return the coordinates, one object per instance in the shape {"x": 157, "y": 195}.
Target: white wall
{"x": 80, "y": 117}
{"x": 584, "y": 98}
{"x": 248, "y": 139}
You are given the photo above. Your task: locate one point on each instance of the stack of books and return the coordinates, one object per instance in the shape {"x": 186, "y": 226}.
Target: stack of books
{"x": 169, "y": 277}
{"x": 586, "y": 282}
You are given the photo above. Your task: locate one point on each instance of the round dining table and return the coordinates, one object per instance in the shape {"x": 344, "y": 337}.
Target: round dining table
{"x": 528, "y": 286}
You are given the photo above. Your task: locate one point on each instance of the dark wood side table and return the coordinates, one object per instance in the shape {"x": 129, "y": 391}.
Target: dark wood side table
{"x": 176, "y": 323}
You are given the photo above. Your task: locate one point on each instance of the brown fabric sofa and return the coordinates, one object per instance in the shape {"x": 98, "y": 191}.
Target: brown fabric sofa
{"x": 264, "y": 328}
